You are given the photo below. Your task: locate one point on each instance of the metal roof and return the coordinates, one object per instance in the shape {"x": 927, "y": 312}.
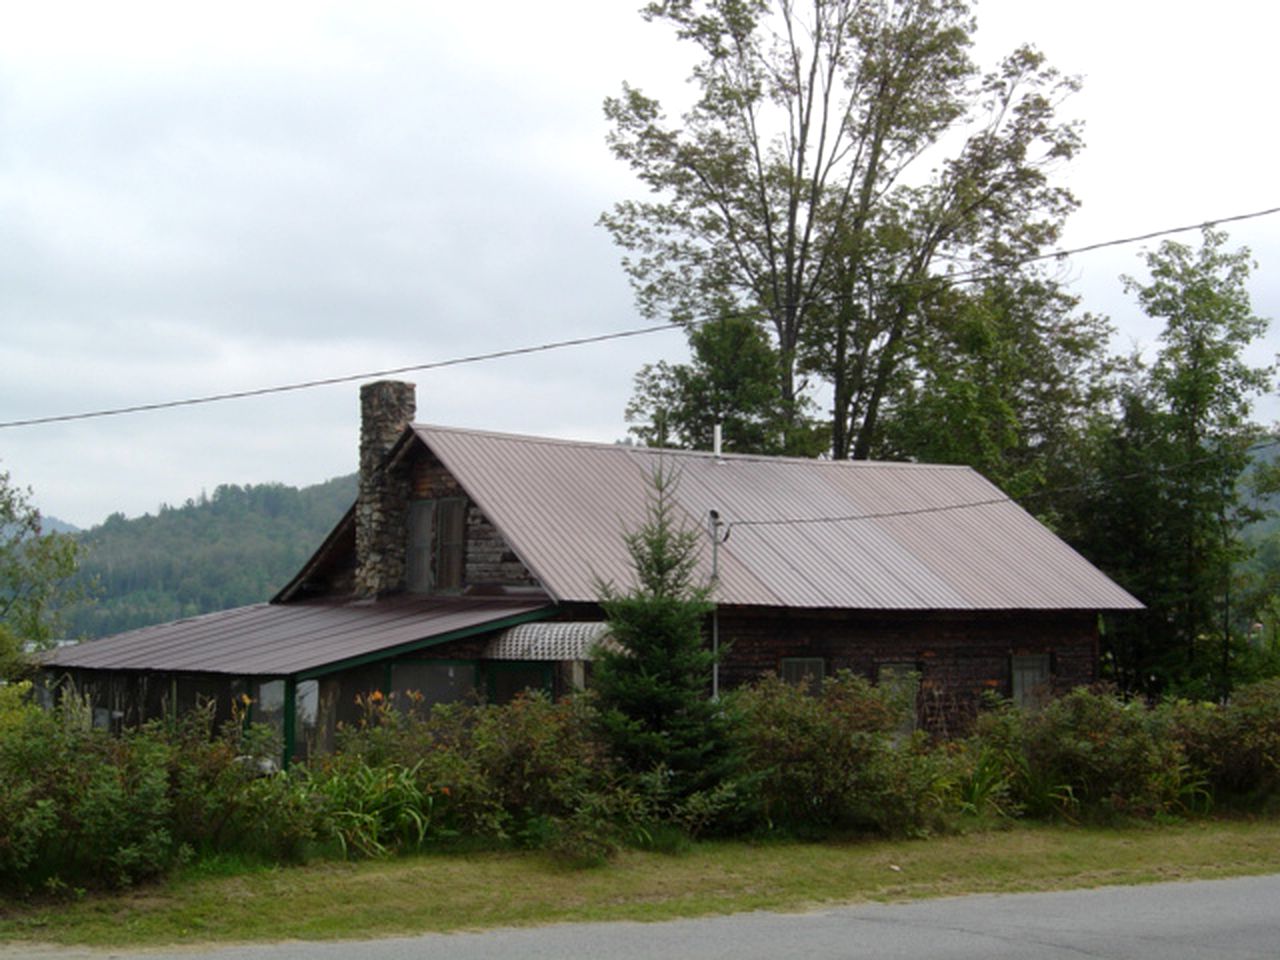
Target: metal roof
{"x": 801, "y": 533}
{"x": 554, "y": 641}
{"x": 298, "y": 638}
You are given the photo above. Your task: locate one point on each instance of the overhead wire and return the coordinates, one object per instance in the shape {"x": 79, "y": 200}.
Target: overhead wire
{"x": 729, "y": 525}
{"x": 962, "y": 277}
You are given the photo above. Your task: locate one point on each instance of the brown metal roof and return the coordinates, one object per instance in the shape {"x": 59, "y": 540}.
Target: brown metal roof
{"x": 802, "y": 533}
{"x": 298, "y": 638}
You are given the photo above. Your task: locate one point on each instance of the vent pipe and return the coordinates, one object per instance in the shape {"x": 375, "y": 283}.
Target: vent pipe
{"x": 715, "y": 440}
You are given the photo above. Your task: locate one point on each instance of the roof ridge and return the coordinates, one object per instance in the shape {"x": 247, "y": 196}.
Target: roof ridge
{"x": 677, "y": 452}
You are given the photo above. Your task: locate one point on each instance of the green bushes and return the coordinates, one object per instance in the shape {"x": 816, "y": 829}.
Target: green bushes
{"x": 1088, "y": 754}
{"x": 835, "y": 760}
{"x": 81, "y": 809}
{"x": 78, "y": 807}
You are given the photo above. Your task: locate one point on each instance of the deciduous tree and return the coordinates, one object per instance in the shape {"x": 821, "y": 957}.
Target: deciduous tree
{"x": 840, "y": 155}
{"x": 34, "y": 566}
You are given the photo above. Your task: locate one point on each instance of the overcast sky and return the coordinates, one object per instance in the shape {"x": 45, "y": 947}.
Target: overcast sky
{"x": 199, "y": 198}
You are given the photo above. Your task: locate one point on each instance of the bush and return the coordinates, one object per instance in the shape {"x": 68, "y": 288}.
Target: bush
{"x": 500, "y": 772}
{"x": 1234, "y": 749}
{"x": 78, "y": 807}
{"x": 1087, "y": 754}
{"x": 836, "y": 760}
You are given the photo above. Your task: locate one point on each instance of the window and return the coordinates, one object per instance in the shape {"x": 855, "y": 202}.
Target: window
{"x": 1029, "y": 679}
{"x": 901, "y": 680}
{"x": 437, "y": 539}
{"x": 807, "y": 672}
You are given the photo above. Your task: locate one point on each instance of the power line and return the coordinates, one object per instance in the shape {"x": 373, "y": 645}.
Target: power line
{"x": 728, "y": 526}
{"x": 346, "y": 378}
{"x": 964, "y": 277}
{"x": 1119, "y": 242}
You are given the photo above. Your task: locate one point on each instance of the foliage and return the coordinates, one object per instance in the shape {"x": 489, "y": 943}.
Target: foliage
{"x": 652, "y": 691}
{"x": 82, "y": 809}
{"x": 789, "y": 192}
{"x": 236, "y": 547}
{"x": 731, "y": 381}
{"x": 506, "y": 771}
{"x": 834, "y": 760}
{"x": 1004, "y": 380}
{"x": 1088, "y": 754}
{"x": 78, "y": 807}
{"x": 1234, "y": 748}
{"x": 1166, "y": 514}
{"x": 35, "y": 565}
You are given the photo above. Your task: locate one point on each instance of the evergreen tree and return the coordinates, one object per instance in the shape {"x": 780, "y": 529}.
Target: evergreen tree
{"x": 1167, "y": 516}
{"x": 653, "y": 691}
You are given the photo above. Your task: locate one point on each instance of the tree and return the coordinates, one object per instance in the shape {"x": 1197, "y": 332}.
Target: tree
{"x": 1167, "y": 515}
{"x": 790, "y": 193}
{"x": 34, "y": 566}
{"x": 653, "y": 690}
{"x": 1006, "y": 379}
{"x": 731, "y": 381}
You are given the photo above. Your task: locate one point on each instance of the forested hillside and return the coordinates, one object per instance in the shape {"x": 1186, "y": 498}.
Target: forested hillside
{"x": 238, "y": 546}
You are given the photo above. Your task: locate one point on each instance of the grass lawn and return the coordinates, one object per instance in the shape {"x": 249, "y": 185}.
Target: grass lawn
{"x": 454, "y": 892}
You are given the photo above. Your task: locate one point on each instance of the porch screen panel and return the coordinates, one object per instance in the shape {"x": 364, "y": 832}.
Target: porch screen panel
{"x": 433, "y": 681}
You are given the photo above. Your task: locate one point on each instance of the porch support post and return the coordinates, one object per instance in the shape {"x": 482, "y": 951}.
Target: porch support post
{"x": 290, "y": 720}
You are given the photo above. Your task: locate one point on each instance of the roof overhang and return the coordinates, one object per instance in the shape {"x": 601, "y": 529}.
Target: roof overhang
{"x": 301, "y": 640}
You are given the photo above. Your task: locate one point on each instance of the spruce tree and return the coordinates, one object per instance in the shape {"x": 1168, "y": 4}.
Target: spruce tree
{"x": 653, "y": 690}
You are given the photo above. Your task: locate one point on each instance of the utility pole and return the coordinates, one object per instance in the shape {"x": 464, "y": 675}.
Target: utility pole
{"x": 713, "y": 528}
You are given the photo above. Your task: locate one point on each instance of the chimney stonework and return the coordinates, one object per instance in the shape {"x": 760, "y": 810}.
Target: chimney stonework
{"x": 382, "y": 503}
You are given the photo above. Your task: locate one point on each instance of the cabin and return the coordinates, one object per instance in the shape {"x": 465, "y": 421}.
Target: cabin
{"x": 471, "y": 565}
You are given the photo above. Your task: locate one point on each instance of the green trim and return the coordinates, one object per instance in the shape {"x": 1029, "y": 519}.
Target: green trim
{"x": 290, "y": 720}
{"x": 389, "y": 653}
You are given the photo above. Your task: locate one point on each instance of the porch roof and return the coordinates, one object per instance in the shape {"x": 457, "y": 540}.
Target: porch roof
{"x": 302, "y": 638}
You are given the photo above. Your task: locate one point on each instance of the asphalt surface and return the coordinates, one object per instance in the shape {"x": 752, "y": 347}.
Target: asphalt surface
{"x": 1219, "y": 920}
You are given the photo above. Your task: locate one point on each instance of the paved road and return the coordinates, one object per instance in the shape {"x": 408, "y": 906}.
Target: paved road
{"x": 1218, "y": 920}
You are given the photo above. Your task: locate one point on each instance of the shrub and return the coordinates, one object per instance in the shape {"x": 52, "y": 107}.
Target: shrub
{"x": 834, "y": 759}
{"x": 492, "y": 771}
{"x": 1235, "y": 748}
{"x": 1087, "y": 754}
{"x": 78, "y": 807}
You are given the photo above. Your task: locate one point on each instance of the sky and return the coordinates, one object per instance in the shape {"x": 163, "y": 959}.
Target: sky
{"x": 204, "y": 198}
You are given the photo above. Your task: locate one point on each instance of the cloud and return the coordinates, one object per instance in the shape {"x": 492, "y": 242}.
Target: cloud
{"x": 196, "y": 199}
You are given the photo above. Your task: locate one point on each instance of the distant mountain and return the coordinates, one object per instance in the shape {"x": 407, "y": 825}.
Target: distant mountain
{"x": 54, "y": 525}
{"x": 236, "y": 547}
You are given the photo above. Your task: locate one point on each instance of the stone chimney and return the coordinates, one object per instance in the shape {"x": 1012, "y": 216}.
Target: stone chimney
{"x": 382, "y": 504}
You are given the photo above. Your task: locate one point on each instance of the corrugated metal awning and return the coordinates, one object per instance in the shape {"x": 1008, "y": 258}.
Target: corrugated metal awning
{"x": 550, "y": 641}
{"x": 291, "y": 639}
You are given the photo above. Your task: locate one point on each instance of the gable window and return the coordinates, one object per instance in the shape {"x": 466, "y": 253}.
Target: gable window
{"x": 1029, "y": 679}
{"x": 437, "y": 538}
{"x": 806, "y": 672}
